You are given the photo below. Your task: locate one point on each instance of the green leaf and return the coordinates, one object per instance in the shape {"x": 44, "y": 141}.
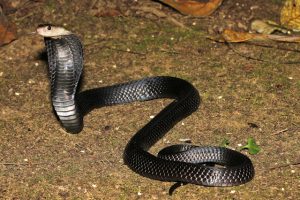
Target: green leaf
{"x": 252, "y": 147}
{"x": 225, "y": 143}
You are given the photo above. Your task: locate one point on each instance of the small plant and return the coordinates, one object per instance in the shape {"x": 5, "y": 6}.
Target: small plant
{"x": 252, "y": 147}
{"x": 225, "y": 143}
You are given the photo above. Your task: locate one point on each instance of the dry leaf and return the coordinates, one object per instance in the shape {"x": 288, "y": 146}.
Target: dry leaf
{"x": 267, "y": 27}
{"x": 7, "y": 31}
{"x": 234, "y": 36}
{"x": 290, "y": 14}
{"x": 194, "y": 8}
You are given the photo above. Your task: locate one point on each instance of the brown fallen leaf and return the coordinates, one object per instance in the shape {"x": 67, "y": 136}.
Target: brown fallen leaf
{"x": 290, "y": 14}
{"x": 268, "y": 27}
{"x": 8, "y": 31}
{"x": 194, "y": 8}
{"x": 235, "y": 37}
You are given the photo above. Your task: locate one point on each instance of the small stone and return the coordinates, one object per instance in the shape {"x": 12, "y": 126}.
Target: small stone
{"x": 17, "y": 93}
{"x": 26, "y": 160}
{"x": 139, "y": 192}
{"x": 31, "y": 81}
{"x": 1, "y": 74}
{"x": 151, "y": 116}
{"x": 36, "y": 64}
{"x": 94, "y": 185}
{"x": 232, "y": 191}
{"x": 185, "y": 140}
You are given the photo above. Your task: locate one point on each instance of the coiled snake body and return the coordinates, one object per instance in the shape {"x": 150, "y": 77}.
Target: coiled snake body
{"x": 179, "y": 163}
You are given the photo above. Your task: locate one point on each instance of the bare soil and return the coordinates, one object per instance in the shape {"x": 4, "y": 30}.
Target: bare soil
{"x": 242, "y": 98}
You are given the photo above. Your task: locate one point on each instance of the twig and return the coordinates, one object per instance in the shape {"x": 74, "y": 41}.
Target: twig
{"x": 273, "y": 47}
{"x": 257, "y": 59}
{"x": 158, "y": 13}
{"x": 286, "y": 165}
{"x": 281, "y": 131}
{"x": 18, "y": 164}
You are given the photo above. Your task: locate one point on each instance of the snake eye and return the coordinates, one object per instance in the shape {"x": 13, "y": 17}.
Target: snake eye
{"x": 49, "y": 27}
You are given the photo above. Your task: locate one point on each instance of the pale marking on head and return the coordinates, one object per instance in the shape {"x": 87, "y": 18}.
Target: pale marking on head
{"x": 52, "y": 31}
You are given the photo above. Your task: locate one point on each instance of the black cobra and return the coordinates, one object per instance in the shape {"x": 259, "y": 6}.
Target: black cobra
{"x": 178, "y": 163}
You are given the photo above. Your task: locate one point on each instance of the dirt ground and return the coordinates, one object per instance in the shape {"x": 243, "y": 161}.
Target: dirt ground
{"x": 242, "y": 98}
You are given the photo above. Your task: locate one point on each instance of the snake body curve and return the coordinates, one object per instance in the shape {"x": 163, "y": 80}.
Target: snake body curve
{"x": 178, "y": 163}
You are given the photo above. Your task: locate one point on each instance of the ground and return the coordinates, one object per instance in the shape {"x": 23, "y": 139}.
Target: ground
{"x": 241, "y": 98}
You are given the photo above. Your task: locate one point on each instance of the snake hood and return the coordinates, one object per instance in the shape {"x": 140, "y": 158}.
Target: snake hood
{"x": 52, "y": 31}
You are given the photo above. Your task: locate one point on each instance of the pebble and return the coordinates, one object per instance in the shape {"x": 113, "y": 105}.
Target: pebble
{"x": 139, "y": 192}
{"x": 31, "y": 81}
{"x": 166, "y": 141}
{"x": 1, "y": 73}
{"x": 185, "y": 140}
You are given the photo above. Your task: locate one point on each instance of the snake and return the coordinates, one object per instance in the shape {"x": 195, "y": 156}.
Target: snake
{"x": 183, "y": 163}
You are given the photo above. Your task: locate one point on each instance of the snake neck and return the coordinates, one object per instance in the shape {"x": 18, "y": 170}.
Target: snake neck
{"x": 65, "y": 60}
